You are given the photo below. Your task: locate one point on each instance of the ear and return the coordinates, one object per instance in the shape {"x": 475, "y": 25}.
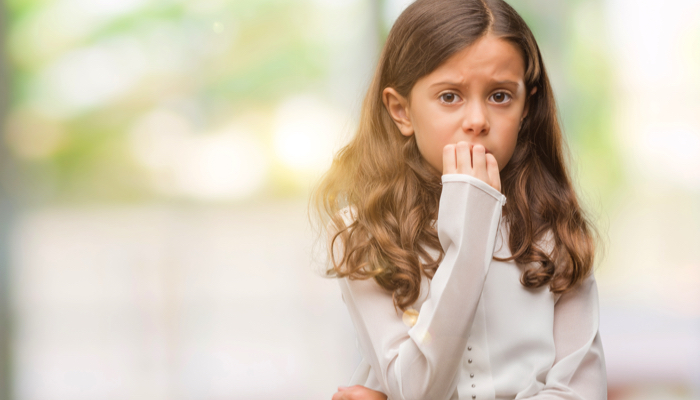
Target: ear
{"x": 527, "y": 102}
{"x": 397, "y": 106}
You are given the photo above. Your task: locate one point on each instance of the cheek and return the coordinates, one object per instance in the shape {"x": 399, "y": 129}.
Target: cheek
{"x": 507, "y": 139}
{"x": 430, "y": 150}
{"x": 435, "y": 122}
{"x": 434, "y": 129}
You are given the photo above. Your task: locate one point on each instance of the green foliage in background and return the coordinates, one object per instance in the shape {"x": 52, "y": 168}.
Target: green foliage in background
{"x": 231, "y": 58}
{"x": 573, "y": 41}
{"x": 238, "y": 60}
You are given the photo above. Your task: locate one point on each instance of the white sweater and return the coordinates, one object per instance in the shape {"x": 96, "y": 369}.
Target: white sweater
{"x": 480, "y": 334}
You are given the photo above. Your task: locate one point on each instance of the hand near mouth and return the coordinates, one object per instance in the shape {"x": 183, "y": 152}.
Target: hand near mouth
{"x": 473, "y": 160}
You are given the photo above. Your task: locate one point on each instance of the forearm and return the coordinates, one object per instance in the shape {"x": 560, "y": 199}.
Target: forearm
{"x": 422, "y": 362}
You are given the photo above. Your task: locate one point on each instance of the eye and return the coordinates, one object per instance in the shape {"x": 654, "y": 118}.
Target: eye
{"x": 449, "y": 98}
{"x": 500, "y": 97}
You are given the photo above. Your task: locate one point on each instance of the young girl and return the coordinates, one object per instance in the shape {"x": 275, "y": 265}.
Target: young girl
{"x": 456, "y": 293}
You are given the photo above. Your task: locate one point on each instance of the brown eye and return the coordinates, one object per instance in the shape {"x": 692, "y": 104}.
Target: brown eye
{"x": 449, "y": 98}
{"x": 500, "y": 97}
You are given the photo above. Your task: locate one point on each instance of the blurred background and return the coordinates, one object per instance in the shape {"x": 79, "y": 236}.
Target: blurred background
{"x": 156, "y": 159}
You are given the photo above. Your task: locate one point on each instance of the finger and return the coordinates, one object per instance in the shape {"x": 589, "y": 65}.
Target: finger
{"x": 449, "y": 163}
{"x": 341, "y": 388}
{"x": 338, "y": 396}
{"x": 493, "y": 172}
{"x": 464, "y": 161}
{"x": 479, "y": 162}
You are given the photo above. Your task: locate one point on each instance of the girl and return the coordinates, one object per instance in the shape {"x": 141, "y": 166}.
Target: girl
{"x": 456, "y": 293}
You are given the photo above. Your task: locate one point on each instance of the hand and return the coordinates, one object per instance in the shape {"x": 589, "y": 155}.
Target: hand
{"x": 358, "y": 392}
{"x": 461, "y": 159}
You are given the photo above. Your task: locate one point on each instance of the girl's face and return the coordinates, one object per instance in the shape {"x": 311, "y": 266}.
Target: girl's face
{"x": 476, "y": 96}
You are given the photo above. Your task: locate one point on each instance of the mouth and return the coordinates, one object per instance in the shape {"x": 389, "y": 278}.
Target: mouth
{"x": 471, "y": 146}
{"x": 487, "y": 150}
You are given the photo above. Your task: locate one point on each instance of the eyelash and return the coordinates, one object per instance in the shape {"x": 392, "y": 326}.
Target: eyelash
{"x": 505, "y": 101}
{"x": 456, "y": 95}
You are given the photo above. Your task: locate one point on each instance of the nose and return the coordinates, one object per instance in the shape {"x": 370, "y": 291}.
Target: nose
{"x": 475, "y": 120}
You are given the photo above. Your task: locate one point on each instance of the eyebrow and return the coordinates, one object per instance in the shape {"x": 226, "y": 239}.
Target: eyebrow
{"x": 503, "y": 82}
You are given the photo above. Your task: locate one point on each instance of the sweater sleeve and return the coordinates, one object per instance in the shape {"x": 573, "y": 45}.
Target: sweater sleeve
{"x": 579, "y": 371}
{"x": 421, "y": 362}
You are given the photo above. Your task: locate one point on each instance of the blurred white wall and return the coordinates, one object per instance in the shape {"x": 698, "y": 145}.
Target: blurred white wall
{"x": 650, "y": 279}
{"x": 175, "y": 303}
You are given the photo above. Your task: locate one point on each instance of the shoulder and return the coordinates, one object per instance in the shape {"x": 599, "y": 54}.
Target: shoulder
{"x": 340, "y": 221}
{"x": 348, "y": 214}
{"x": 586, "y": 288}
{"x": 345, "y": 216}
{"x": 547, "y": 242}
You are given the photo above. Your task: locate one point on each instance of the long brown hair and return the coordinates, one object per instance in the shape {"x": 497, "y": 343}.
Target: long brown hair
{"x": 393, "y": 194}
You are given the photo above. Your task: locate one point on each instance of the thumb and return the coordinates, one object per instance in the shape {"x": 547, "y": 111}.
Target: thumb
{"x": 341, "y": 388}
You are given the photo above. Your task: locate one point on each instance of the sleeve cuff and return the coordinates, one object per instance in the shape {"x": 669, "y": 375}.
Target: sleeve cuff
{"x": 485, "y": 187}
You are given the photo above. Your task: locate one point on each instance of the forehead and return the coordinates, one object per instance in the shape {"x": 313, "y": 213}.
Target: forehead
{"x": 488, "y": 58}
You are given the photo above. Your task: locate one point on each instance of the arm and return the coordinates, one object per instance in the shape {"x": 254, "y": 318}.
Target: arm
{"x": 421, "y": 362}
{"x": 579, "y": 371}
